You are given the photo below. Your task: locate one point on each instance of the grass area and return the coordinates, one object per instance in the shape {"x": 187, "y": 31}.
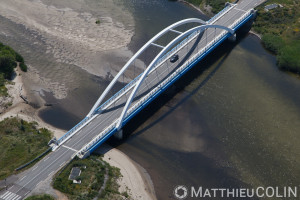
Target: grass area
{"x": 216, "y": 5}
{"x": 20, "y": 142}
{"x": 40, "y": 197}
{"x": 280, "y": 29}
{"x": 92, "y": 178}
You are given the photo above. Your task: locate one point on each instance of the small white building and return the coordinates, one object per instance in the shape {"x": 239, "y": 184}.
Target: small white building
{"x": 272, "y": 6}
{"x": 75, "y": 172}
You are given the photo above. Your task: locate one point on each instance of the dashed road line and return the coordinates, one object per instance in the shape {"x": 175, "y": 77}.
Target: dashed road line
{"x": 69, "y": 148}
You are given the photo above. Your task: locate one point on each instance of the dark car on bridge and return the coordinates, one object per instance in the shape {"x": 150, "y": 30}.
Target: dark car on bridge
{"x": 174, "y": 58}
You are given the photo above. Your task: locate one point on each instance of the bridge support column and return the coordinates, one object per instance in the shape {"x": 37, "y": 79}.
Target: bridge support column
{"x": 119, "y": 134}
{"x": 232, "y": 38}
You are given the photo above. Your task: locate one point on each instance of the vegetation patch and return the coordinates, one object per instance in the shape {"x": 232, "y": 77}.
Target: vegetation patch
{"x": 216, "y": 5}
{"x": 8, "y": 61}
{"x": 40, "y": 197}
{"x": 94, "y": 172}
{"x": 280, "y": 29}
{"x": 20, "y": 142}
{"x": 3, "y": 89}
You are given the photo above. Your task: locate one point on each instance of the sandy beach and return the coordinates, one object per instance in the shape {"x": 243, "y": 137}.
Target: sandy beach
{"x": 134, "y": 178}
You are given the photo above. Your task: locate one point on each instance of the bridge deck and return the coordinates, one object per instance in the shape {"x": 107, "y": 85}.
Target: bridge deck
{"x": 51, "y": 163}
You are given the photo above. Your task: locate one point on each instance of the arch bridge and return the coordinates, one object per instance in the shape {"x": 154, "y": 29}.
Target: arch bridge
{"x": 174, "y": 50}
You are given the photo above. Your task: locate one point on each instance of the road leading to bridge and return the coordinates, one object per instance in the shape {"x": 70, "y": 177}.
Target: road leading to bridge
{"x": 57, "y": 159}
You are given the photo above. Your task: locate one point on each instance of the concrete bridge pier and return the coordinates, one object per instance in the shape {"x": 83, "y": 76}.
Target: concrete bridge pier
{"x": 119, "y": 134}
{"x": 232, "y": 38}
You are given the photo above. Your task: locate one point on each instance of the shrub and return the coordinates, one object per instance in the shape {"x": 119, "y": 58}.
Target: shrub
{"x": 19, "y": 58}
{"x": 289, "y": 58}
{"x": 272, "y": 42}
{"x": 23, "y": 67}
{"x": 40, "y": 197}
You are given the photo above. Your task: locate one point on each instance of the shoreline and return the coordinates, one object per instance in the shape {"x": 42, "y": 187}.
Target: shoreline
{"x": 193, "y": 6}
{"x": 256, "y": 34}
{"x": 134, "y": 177}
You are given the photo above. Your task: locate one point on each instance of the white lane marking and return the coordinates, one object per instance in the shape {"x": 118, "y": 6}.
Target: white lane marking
{"x": 62, "y": 164}
{"x": 22, "y": 178}
{"x": 8, "y": 194}
{"x": 16, "y": 197}
{"x": 3, "y": 195}
{"x": 240, "y": 10}
{"x": 9, "y": 197}
{"x": 69, "y": 148}
{"x": 51, "y": 173}
{"x": 26, "y": 193}
{"x": 38, "y": 183}
{"x": 42, "y": 171}
{"x": 34, "y": 168}
{"x": 47, "y": 158}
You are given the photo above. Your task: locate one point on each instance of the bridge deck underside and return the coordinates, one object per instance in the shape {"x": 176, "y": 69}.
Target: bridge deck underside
{"x": 51, "y": 163}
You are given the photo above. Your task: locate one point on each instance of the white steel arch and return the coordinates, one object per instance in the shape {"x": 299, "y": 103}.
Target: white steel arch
{"x": 152, "y": 64}
{"x": 157, "y": 36}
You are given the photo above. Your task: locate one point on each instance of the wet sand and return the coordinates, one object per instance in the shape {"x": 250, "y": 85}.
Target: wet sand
{"x": 61, "y": 42}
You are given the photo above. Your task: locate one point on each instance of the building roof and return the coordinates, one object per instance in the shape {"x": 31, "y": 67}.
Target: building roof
{"x": 271, "y": 6}
{"x": 75, "y": 172}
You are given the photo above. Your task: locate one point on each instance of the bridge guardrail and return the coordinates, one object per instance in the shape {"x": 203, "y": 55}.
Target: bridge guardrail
{"x": 200, "y": 53}
{"x": 82, "y": 151}
{"x": 72, "y": 130}
{"x": 224, "y": 10}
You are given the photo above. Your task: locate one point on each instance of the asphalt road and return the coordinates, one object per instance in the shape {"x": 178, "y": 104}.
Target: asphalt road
{"x": 55, "y": 160}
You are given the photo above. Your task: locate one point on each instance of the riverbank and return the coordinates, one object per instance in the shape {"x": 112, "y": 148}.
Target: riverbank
{"x": 208, "y": 11}
{"x": 20, "y": 108}
{"x": 279, "y": 27}
{"x": 135, "y": 179}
